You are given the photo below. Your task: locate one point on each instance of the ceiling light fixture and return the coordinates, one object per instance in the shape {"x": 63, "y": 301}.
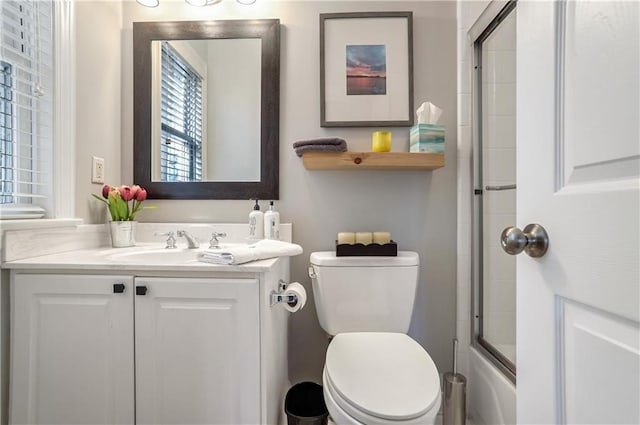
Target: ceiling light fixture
{"x": 149, "y": 3}
{"x": 201, "y": 3}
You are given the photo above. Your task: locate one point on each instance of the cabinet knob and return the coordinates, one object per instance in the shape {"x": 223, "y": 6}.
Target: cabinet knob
{"x": 141, "y": 290}
{"x": 118, "y": 288}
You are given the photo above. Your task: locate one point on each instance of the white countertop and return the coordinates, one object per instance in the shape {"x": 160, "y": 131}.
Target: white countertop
{"x": 87, "y": 248}
{"x": 100, "y": 259}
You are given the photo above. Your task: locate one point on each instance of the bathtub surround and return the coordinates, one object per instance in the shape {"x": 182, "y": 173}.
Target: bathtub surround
{"x": 489, "y": 393}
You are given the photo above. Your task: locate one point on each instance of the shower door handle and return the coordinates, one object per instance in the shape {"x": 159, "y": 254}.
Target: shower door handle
{"x": 503, "y": 187}
{"x": 533, "y": 240}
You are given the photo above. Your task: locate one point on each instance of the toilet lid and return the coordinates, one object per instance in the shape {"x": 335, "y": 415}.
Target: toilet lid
{"x": 386, "y": 375}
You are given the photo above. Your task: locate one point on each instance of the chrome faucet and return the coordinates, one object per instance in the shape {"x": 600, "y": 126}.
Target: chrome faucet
{"x": 192, "y": 241}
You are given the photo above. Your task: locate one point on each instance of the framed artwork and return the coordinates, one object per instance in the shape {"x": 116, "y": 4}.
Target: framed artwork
{"x": 366, "y": 69}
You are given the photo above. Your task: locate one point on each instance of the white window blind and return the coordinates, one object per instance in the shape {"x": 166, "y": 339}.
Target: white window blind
{"x": 26, "y": 99}
{"x": 181, "y": 118}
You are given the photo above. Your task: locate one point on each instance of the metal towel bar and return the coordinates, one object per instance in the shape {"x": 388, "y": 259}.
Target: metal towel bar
{"x": 503, "y": 187}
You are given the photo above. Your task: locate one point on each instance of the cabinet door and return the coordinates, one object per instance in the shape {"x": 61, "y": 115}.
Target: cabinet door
{"x": 197, "y": 351}
{"x": 71, "y": 350}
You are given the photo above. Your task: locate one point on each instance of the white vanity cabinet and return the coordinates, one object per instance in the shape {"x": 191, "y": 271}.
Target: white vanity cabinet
{"x": 72, "y": 349}
{"x": 197, "y": 348}
{"x": 197, "y": 351}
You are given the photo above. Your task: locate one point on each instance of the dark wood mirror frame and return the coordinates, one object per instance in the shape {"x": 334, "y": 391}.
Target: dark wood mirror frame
{"x": 268, "y": 30}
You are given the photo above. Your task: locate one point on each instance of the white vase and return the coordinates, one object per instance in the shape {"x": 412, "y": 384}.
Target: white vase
{"x": 123, "y": 233}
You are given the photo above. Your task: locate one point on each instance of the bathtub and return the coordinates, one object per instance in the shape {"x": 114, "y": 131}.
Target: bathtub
{"x": 491, "y": 397}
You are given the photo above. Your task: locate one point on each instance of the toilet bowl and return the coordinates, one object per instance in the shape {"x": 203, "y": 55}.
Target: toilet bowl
{"x": 374, "y": 372}
{"x": 380, "y": 378}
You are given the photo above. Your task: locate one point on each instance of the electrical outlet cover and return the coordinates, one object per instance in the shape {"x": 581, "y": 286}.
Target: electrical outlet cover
{"x": 97, "y": 170}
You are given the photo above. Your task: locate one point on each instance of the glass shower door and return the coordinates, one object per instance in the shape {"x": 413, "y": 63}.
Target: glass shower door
{"x": 495, "y": 178}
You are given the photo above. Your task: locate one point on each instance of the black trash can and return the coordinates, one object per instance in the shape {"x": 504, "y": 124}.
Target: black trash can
{"x": 304, "y": 405}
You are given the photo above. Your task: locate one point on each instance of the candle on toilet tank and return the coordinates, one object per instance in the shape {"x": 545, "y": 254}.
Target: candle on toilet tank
{"x": 364, "y": 238}
{"x": 381, "y": 237}
{"x": 346, "y": 237}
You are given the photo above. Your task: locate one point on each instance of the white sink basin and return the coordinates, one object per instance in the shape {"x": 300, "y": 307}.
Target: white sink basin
{"x": 155, "y": 255}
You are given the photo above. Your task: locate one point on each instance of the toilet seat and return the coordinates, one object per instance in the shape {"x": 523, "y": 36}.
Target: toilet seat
{"x": 381, "y": 378}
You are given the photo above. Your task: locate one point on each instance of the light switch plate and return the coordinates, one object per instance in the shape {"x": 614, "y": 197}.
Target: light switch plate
{"x": 97, "y": 170}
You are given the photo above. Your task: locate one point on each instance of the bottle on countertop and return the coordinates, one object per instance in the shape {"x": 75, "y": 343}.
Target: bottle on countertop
{"x": 256, "y": 222}
{"x": 272, "y": 223}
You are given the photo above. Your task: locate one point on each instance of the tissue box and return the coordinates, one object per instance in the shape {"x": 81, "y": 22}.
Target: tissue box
{"x": 426, "y": 138}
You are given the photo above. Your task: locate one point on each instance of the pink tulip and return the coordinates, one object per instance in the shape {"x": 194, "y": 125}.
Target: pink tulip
{"x": 126, "y": 193}
{"x": 117, "y": 200}
{"x": 105, "y": 191}
{"x": 141, "y": 194}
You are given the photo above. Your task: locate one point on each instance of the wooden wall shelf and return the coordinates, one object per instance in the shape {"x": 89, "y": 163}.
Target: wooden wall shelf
{"x": 372, "y": 160}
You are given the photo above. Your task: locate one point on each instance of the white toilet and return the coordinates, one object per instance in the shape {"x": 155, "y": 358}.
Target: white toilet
{"x": 374, "y": 373}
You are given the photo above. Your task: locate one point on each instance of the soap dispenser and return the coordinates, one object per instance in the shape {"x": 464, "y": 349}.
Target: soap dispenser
{"x": 256, "y": 222}
{"x": 272, "y": 223}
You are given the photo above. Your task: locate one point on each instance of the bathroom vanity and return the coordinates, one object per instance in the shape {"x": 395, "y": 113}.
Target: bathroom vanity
{"x": 109, "y": 336}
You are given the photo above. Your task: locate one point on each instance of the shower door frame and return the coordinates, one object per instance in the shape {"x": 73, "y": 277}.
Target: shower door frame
{"x": 495, "y": 13}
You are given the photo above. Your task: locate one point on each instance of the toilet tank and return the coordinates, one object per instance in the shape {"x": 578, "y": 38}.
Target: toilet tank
{"x": 364, "y": 294}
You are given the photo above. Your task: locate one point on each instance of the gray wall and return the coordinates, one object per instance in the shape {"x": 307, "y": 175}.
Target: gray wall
{"x": 98, "y": 70}
{"x": 417, "y": 207}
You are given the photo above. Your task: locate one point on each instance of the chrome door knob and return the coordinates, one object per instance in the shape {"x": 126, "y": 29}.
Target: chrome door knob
{"x": 533, "y": 240}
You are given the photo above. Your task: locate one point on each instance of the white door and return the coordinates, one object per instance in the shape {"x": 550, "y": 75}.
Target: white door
{"x": 578, "y": 176}
{"x": 197, "y": 351}
{"x": 71, "y": 349}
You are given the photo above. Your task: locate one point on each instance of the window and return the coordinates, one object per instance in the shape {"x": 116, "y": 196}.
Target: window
{"x": 6, "y": 135}
{"x": 26, "y": 98}
{"x": 181, "y": 118}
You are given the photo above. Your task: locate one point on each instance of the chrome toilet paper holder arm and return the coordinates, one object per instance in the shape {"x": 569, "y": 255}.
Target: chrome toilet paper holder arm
{"x": 278, "y": 296}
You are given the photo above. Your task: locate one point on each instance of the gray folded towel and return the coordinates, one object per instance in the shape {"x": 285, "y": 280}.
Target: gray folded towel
{"x": 320, "y": 148}
{"x": 334, "y": 141}
{"x": 323, "y": 144}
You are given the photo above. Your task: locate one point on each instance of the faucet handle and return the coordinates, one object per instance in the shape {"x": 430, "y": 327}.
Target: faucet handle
{"x": 215, "y": 242}
{"x": 171, "y": 239}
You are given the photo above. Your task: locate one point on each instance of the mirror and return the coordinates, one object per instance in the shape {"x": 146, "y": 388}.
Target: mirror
{"x": 206, "y": 108}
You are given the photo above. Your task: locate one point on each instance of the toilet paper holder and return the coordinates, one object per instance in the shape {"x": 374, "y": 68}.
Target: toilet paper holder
{"x": 278, "y": 296}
